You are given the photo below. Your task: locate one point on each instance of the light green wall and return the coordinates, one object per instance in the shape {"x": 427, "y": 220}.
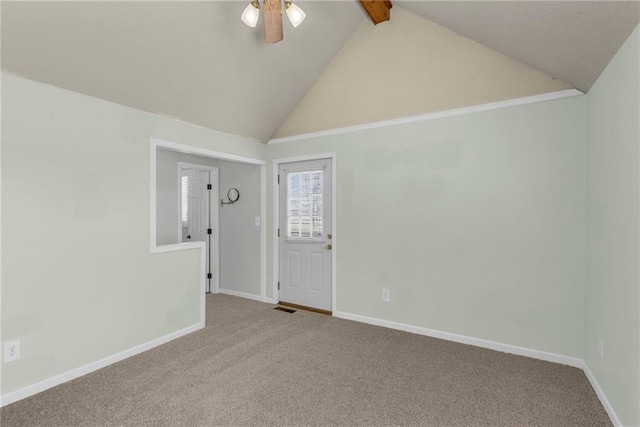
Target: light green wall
{"x": 475, "y": 223}
{"x": 78, "y": 282}
{"x": 240, "y": 239}
{"x": 613, "y": 236}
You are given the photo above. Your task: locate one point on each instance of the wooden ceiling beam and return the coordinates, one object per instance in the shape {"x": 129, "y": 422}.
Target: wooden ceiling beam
{"x": 378, "y": 10}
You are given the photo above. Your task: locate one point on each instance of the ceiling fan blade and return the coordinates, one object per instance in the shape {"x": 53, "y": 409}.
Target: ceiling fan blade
{"x": 273, "y": 21}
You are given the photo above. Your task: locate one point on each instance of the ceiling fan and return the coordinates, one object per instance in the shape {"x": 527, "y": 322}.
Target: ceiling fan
{"x": 378, "y": 10}
{"x": 272, "y": 17}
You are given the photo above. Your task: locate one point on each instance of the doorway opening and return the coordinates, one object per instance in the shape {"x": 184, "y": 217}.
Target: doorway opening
{"x": 170, "y": 231}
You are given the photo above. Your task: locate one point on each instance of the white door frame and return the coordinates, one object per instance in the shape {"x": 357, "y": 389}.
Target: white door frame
{"x": 214, "y": 215}
{"x": 276, "y": 219}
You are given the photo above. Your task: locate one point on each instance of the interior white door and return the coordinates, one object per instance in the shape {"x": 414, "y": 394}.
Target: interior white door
{"x": 198, "y": 211}
{"x": 198, "y": 222}
{"x": 305, "y": 230}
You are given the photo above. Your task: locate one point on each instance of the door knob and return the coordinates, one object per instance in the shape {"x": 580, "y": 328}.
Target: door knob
{"x": 189, "y": 236}
{"x": 328, "y": 247}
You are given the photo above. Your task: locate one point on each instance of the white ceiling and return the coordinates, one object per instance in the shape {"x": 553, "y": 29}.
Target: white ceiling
{"x": 194, "y": 61}
{"x": 572, "y": 41}
{"x": 197, "y": 62}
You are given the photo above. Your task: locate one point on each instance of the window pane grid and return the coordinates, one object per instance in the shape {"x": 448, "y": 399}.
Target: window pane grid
{"x": 304, "y": 204}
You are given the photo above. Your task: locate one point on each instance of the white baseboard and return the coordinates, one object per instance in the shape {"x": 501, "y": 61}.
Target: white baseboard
{"x": 478, "y": 342}
{"x": 493, "y": 345}
{"x": 603, "y": 398}
{"x": 240, "y": 294}
{"x": 38, "y": 387}
{"x": 270, "y": 300}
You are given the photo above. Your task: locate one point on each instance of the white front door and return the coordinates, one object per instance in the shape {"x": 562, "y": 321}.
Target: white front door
{"x": 305, "y": 230}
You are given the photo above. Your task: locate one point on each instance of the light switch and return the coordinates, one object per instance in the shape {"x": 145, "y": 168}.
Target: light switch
{"x": 257, "y": 221}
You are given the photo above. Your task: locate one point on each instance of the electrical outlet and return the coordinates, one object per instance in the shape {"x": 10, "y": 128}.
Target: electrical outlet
{"x": 601, "y": 348}
{"x": 11, "y": 351}
{"x": 385, "y": 295}
{"x": 257, "y": 221}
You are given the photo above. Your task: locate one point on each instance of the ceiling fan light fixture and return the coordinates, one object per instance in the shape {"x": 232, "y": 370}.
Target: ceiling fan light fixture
{"x": 295, "y": 14}
{"x": 251, "y": 14}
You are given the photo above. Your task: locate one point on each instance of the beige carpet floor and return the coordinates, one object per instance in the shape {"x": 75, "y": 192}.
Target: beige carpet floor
{"x": 254, "y": 365}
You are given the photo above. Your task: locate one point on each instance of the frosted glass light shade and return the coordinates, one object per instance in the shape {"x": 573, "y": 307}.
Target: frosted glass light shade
{"x": 251, "y": 14}
{"x": 295, "y": 14}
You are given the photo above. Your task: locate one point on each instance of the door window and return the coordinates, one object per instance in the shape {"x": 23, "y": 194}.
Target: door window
{"x": 184, "y": 181}
{"x": 304, "y": 204}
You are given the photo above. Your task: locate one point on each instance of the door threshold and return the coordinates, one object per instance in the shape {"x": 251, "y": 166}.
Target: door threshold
{"x": 304, "y": 307}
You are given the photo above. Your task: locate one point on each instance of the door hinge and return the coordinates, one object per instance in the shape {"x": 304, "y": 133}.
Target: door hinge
{"x": 209, "y": 276}
{"x": 278, "y": 285}
{"x": 278, "y": 232}
{"x": 208, "y": 231}
{"x": 209, "y": 187}
{"x": 278, "y": 179}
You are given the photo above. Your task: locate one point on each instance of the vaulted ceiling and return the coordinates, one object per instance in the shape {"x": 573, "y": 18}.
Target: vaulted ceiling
{"x": 197, "y": 62}
{"x": 572, "y": 41}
